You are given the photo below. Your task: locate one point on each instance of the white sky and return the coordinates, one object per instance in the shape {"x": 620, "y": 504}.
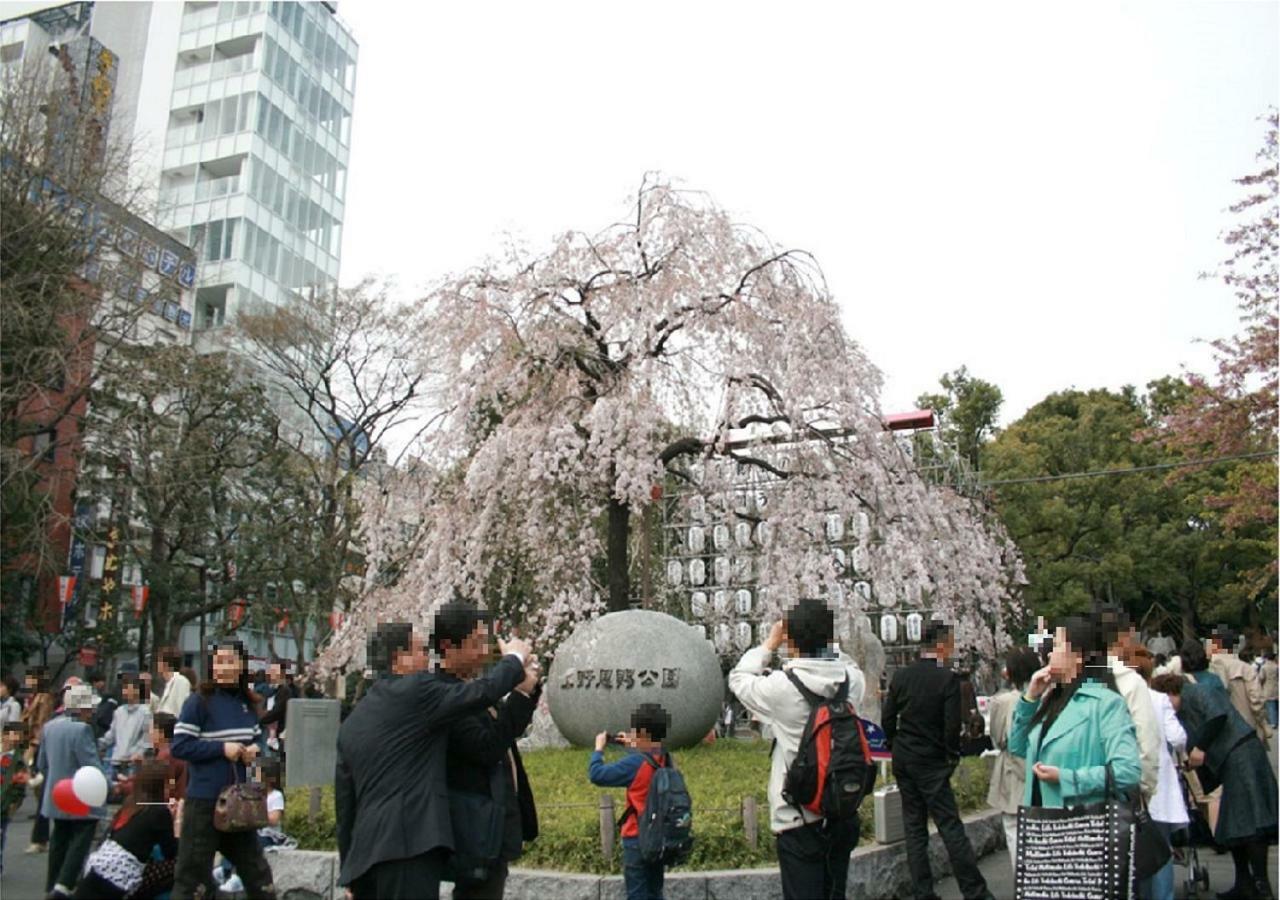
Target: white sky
{"x": 1026, "y": 188}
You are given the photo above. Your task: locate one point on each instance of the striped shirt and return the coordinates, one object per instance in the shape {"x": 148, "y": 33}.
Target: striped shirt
{"x": 206, "y": 724}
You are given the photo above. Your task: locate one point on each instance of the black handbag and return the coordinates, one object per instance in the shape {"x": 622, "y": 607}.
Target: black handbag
{"x": 1098, "y": 850}
{"x": 1150, "y": 851}
{"x": 477, "y": 821}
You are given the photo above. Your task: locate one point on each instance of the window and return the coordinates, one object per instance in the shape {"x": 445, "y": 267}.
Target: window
{"x": 45, "y": 445}
{"x": 218, "y": 241}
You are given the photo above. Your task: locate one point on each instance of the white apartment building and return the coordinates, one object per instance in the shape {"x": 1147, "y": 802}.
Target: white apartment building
{"x": 240, "y": 118}
{"x": 240, "y": 113}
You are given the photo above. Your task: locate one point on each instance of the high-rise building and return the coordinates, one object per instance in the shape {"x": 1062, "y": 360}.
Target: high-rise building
{"x": 240, "y": 116}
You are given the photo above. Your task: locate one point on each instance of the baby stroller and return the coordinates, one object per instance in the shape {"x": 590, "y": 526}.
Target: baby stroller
{"x": 1187, "y": 840}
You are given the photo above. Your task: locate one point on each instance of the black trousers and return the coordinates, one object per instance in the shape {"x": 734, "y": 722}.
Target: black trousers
{"x": 415, "y": 878}
{"x": 492, "y": 888}
{"x": 197, "y": 845}
{"x": 814, "y": 859}
{"x": 68, "y": 849}
{"x": 926, "y": 793}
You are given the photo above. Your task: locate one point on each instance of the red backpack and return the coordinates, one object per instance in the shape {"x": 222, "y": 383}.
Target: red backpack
{"x": 833, "y": 771}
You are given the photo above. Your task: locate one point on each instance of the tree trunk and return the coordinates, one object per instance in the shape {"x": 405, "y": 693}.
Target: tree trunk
{"x": 1187, "y": 604}
{"x": 619, "y": 578}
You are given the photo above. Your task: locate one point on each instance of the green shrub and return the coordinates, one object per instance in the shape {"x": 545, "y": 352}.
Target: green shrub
{"x": 719, "y": 777}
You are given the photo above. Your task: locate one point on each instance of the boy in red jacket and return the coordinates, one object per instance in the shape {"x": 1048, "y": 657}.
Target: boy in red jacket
{"x": 649, "y": 724}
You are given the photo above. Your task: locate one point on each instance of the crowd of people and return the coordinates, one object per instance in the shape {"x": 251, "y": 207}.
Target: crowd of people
{"x": 165, "y": 745}
{"x": 431, "y": 787}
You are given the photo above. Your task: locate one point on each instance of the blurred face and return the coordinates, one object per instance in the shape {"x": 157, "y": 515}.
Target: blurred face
{"x": 275, "y": 673}
{"x": 412, "y": 660}
{"x": 1064, "y": 662}
{"x": 10, "y": 740}
{"x": 130, "y": 692}
{"x": 226, "y": 666}
{"x": 4, "y": 691}
{"x": 31, "y": 682}
{"x": 471, "y": 655}
{"x": 157, "y": 737}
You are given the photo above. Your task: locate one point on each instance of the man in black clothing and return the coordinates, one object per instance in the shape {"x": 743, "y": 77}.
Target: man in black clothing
{"x": 922, "y": 724}
{"x": 482, "y": 757}
{"x": 394, "y": 832}
{"x": 107, "y": 704}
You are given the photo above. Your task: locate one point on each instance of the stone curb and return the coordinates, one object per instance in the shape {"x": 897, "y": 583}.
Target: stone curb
{"x": 875, "y": 871}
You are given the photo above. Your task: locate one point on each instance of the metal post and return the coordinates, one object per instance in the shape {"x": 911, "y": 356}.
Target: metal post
{"x": 750, "y": 824}
{"x": 606, "y": 825}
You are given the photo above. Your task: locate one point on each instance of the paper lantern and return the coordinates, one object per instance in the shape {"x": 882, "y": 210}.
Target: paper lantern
{"x": 888, "y": 629}
{"x": 742, "y": 601}
{"x": 698, "y": 572}
{"x": 698, "y": 603}
{"x": 915, "y": 627}
{"x": 697, "y": 539}
{"x": 674, "y": 573}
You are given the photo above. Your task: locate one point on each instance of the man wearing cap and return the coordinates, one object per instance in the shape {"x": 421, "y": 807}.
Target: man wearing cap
{"x": 67, "y": 746}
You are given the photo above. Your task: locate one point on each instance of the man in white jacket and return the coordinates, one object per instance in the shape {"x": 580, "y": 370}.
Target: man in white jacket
{"x": 1122, "y": 641}
{"x": 813, "y": 853}
{"x": 176, "y": 687}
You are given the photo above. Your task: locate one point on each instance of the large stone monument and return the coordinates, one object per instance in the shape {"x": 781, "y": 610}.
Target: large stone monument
{"x": 611, "y": 665}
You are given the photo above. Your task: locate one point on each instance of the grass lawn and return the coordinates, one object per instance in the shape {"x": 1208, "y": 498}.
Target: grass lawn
{"x": 718, "y": 775}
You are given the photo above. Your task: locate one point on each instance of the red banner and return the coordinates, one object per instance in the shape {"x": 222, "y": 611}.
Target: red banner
{"x": 335, "y": 619}
{"x": 141, "y": 593}
{"x": 66, "y": 586}
{"x": 235, "y": 613}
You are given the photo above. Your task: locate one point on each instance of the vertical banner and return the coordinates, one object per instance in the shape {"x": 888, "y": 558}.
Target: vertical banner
{"x": 235, "y": 613}
{"x": 66, "y": 587}
{"x": 140, "y": 594}
{"x": 110, "y": 577}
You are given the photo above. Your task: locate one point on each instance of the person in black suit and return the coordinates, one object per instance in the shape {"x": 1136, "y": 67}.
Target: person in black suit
{"x": 922, "y": 719}
{"x": 394, "y": 833}
{"x": 482, "y": 745}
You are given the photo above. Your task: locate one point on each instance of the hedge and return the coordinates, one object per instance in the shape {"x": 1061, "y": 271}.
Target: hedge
{"x": 719, "y": 776}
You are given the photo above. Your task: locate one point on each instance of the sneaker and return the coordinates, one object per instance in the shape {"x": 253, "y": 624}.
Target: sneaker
{"x": 232, "y": 885}
{"x": 37, "y": 848}
{"x": 219, "y": 876}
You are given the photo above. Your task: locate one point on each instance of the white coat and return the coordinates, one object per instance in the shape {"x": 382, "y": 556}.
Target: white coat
{"x": 774, "y": 700}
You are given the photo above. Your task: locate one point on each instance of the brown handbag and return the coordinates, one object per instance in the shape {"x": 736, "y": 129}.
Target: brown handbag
{"x": 241, "y": 806}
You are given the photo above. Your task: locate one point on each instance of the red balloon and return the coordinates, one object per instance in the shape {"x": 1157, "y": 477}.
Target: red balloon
{"x": 64, "y": 797}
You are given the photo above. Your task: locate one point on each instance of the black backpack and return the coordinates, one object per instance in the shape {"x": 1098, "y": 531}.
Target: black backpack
{"x": 666, "y": 828}
{"x": 833, "y": 771}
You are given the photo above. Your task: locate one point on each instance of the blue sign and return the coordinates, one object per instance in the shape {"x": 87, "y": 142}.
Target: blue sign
{"x": 184, "y": 319}
{"x": 150, "y": 255}
{"x": 79, "y": 554}
{"x": 168, "y": 263}
{"x": 187, "y": 275}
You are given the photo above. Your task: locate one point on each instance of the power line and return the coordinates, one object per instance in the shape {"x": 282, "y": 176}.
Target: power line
{"x": 1136, "y": 469}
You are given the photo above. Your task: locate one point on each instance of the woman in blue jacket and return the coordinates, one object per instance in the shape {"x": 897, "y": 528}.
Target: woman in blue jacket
{"x": 1071, "y": 723}
{"x": 218, "y": 736}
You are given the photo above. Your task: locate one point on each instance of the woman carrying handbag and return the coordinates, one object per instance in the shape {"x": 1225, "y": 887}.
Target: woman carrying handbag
{"x": 217, "y": 735}
{"x": 1073, "y": 729}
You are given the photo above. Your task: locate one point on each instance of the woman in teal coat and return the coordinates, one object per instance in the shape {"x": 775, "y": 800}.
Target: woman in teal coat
{"x": 1072, "y": 723}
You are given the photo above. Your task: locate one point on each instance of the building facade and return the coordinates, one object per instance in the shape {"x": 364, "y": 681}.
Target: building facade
{"x": 239, "y": 119}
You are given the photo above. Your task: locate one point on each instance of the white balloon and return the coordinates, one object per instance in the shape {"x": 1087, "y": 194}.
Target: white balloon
{"x": 90, "y": 786}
